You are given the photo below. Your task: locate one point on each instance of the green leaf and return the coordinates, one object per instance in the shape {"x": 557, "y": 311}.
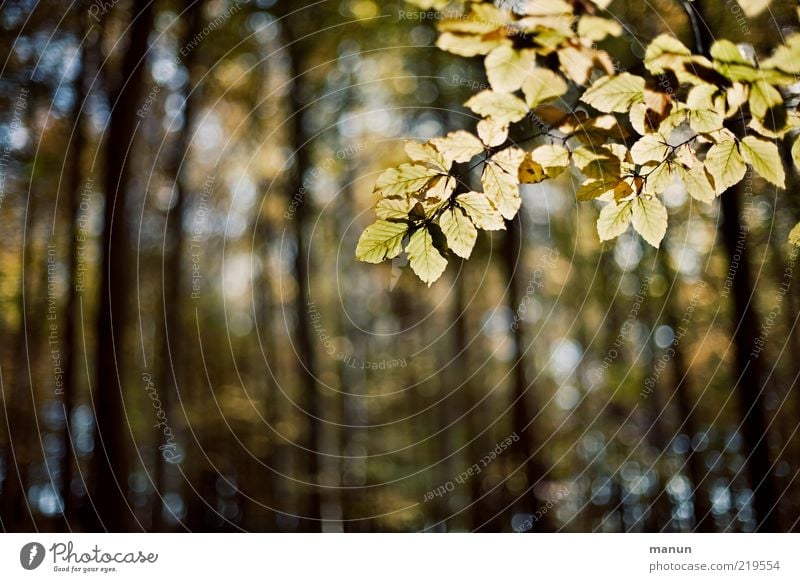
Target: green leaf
{"x": 765, "y": 159}
{"x": 614, "y": 220}
{"x": 459, "y": 231}
{"x": 615, "y": 93}
{"x": 424, "y": 258}
{"x": 481, "y": 210}
{"x": 501, "y": 107}
{"x": 458, "y": 146}
{"x": 650, "y": 219}
{"x": 406, "y": 179}
{"x": 725, "y": 163}
{"x": 381, "y": 240}
{"x": 541, "y": 86}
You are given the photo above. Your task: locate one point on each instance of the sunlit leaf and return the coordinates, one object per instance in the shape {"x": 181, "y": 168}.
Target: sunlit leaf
{"x": 552, "y": 157}
{"x": 481, "y": 210}
{"x": 405, "y": 179}
{"x": 765, "y": 159}
{"x": 425, "y": 260}
{"x": 458, "y": 146}
{"x": 615, "y": 93}
{"x": 459, "y": 231}
{"x": 725, "y": 163}
{"x": 614, "y": 220}
{"x": 507, "y": 67}
{"x": 381, "y": 240}
{"x": 650, "y": 219}
{"x": 541, "y": 86}
{"x": 501, "y": 107}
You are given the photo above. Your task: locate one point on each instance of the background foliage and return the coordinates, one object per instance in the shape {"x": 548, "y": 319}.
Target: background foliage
{"x": 190, "y": 344}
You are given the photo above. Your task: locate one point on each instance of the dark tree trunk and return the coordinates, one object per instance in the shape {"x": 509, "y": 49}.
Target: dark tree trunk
{"x": 170, "y": 376}
{"x": 524, "y": 405}
{"x": 748, "y": 375}
{"x": 306, "y": 356}
{"x": 111, "y": 457}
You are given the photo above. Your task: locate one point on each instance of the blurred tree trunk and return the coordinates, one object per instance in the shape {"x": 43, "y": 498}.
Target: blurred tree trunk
{"x": 111, "y": 456}
{"x": 523, "y": 394}
{"x": 685, "y": 399}
{"x": 747, "y": 372}
{"x": 170, "y": 375}
{"x": 298, "y": 143}
{"x": 18, "y": 399}
{"x": 75, "y": 189}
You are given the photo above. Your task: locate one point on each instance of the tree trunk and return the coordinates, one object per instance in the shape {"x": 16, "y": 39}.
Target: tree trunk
{"x": 306, "y": 356}
{"x": 111, "y": 462}
{"x": 170, "y": 376}
{"x": 748, "y": 374}
{"x": 524, "y": 405}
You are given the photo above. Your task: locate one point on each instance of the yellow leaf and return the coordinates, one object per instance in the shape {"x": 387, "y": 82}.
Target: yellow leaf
{"x": 596, "y": 28}
{"x": 541, "y": 86}
{"x": 424, "y": 258}
{"x": 459, "y": 231}
{"x": 506, "y": 67}
{"x": 576, "y": 63}
{"x": 381, "y": 240}
{"x": 530, "y": 172}
{"x": 763, "y": 97}
{"x": 501, "y": 181}
{"x": 492, "y": 133}
{"x": 501, "y": 107}
{"x": 796, "y": 152}
{"x": 591, "y": 189}
{"x": 697, "y": 182}
{"x": 440, "y": 187}
{"x": 546, "y": 8}
{"x": 481, "y": 210}
{"x": 650, "y": 219}
{"x": 469, "y": 45}
{"x": 393, "y": 207}
{"x": 426, "y": 153}
{"x": 786, "y": 57}
{"x": 405, "y": 179}
{"x": 552, "y": 157}
{"x": 458, "y": 146}
{"x": 725, "y": 163}
{"x": 614, "y": 220}
{"x": 765, "y": 159}
{"x": 651, "y": 148}
{"x": 794, "y": 235}
{"x": 615, "y": 93}
{"x": 753, "y": 8}
{"x": 665, "y": 52}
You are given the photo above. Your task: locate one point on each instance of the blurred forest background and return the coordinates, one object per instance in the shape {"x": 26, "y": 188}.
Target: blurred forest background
{"x": 189, "y": 344}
